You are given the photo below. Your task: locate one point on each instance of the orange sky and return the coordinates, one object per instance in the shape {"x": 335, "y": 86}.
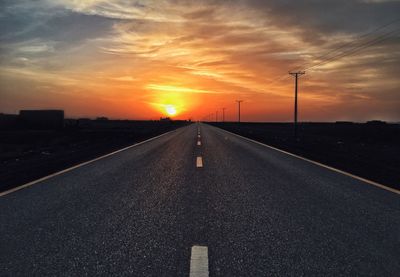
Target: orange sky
{"x": 188, "y": 59}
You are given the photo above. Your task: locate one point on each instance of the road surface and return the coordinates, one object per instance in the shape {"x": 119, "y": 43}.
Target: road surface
{"x": 246, "y": 209}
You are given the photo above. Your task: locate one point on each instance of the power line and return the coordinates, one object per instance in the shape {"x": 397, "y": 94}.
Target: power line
{"x": 354, "y": 49}
{"x": 353, "y": 42}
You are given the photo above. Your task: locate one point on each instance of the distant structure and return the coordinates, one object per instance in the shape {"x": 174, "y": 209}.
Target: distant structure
{"x": 42, "y": 119}
{"x": 376, "y": 122}
{"x": 344, "y": 122}
{"x": 102, "y": 118}
{"x": 8, "y": 120}
{"x": 296, "y": 76}
{"x": 84, "y": 122}
{"x": 239, "y": 101}
{"x": 165, "y": 119}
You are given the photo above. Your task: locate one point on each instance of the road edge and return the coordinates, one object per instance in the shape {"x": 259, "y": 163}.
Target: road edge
{"x": 381, "y": 186}
{"x": 20, "y": 187}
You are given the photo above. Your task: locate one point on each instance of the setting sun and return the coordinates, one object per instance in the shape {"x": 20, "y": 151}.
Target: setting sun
{"x": 173, "y": 100}
{"x": 170, "y": 110}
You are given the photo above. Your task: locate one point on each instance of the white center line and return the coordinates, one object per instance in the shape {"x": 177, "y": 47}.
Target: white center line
{"x": 198, "y": 136}
{"x": 198, "y": 143}
{"x": 199, "y": 261}
{"x": 199, "y": 162}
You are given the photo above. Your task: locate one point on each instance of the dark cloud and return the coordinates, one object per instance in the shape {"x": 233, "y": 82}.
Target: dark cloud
{"x": 65, "y": 25}
{"x": 328, "y": 16}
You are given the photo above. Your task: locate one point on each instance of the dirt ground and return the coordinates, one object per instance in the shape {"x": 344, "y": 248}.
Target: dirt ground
{"x": 27, "y": 155}
{"x": 371, "y": 151}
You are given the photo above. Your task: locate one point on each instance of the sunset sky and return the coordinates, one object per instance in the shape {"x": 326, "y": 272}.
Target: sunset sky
{"x": 147, "y": 59}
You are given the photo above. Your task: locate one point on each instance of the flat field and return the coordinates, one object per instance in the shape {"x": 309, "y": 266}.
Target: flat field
{"x": 371, "y": 151}
{"x": 27, "y": 155}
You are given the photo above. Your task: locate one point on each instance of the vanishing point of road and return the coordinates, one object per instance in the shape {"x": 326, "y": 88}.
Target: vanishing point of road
{"x": 199, "y": 201}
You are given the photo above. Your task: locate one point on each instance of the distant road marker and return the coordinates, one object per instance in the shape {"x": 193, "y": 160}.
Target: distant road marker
{"x": 79, "y": 165}
{"x": 318, "y": 163}
{"x": 198, "y": 136}
{"x": 199, "y": 261}
{"x": 199, "y": 162}
{"x": 198, "y": 143}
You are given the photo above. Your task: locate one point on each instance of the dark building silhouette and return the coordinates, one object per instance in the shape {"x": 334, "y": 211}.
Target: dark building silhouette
{"x": 8, "y": 121}
{"x": 42, "y": 119}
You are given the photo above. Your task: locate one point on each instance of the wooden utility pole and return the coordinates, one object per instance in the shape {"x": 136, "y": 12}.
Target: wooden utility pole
{"x": 296, "y": 76}
{"x": 239, "y": 101}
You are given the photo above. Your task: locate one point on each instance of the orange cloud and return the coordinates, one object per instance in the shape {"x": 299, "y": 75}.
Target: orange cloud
{"x": 190, "y": 59}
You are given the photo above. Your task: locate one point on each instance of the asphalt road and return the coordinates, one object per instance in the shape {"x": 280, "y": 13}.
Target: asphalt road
{"x": 259, "y": 212}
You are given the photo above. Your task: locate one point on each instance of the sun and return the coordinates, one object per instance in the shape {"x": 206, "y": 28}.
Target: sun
{"x": 170, "y": 109}
{"x": 171, "y": 103}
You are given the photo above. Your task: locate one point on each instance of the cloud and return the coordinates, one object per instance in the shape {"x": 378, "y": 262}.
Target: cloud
{"x": 179, "y": 89}
{"x": 63, "y": 26}
{"x": 241, "y": 47}
{"x": 330, "y": 16}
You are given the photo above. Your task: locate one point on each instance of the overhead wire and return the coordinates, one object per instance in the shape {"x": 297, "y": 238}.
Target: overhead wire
{"x": 355, "y": 47}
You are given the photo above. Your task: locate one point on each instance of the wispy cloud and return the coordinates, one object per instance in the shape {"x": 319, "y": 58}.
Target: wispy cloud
{"x": 169, "y": 88}
{"x": 210, "y": 48}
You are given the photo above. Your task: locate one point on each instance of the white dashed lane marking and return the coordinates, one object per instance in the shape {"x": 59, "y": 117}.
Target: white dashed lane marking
{"x": 199, "y": 261}
{"x": 199, "y": 162}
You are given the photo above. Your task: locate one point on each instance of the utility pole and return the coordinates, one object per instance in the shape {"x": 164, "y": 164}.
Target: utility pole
{"x": 239, "y": 101}
{"x": 216, "y": 116}
{"x": 296, "y": 75}
{"x": 223, "y": 114}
